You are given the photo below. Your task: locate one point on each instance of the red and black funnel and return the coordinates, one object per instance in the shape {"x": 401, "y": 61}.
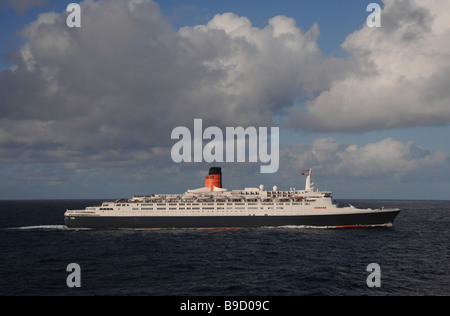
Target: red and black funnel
{"x": 214, "y": 179}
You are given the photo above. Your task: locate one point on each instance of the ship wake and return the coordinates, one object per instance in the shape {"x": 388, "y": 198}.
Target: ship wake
{"x": 43, "y": 228}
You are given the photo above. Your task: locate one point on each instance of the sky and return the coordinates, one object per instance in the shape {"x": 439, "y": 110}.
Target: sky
{"x": 88, "y": 112}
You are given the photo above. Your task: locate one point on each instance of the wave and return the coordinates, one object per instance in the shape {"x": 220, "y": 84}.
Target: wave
{"x": 300, "y": 227}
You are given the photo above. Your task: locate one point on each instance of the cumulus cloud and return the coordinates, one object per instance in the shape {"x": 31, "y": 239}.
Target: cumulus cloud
{"x": 399, "y": 78}
{"x": 260, "y": 71}
{"x": 126, "y": 78}
{"x": 388, "y": 158}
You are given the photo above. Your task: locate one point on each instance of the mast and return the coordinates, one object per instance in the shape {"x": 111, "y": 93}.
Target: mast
{"x": 308, "y": 181}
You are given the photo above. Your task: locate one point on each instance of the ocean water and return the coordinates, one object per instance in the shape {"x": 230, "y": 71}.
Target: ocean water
{"x": 36, "y": 248}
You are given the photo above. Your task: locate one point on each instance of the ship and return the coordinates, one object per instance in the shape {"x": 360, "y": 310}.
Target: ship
{"x": 213, "y": 206}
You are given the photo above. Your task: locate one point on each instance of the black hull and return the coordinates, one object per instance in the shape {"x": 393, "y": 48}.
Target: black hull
{"x": 384, "y": 218}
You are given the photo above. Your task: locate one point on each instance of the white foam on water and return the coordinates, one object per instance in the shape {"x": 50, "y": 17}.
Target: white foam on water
{"x": 46, "y": 227}
{"x": 40, "y": 227}
{"x": 301, "y": 227}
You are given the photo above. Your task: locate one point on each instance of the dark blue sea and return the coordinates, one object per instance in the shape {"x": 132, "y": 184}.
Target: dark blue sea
{"x": 36, "y": 248}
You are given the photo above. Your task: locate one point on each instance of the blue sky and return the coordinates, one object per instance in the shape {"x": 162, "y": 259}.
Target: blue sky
{"x": 87, "y": 113}
{"x": 335, "y": 19}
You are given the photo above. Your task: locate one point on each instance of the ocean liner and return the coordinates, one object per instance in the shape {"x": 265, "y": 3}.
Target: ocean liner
{"x": 215, "y": 207}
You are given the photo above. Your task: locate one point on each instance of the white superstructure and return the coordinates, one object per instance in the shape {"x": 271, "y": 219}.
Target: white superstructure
{"x": 221, "y": 202}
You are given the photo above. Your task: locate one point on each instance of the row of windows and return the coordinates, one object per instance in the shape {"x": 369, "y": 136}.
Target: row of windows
{"x": 210, "y": 204}
{"x": 193, "y": 208}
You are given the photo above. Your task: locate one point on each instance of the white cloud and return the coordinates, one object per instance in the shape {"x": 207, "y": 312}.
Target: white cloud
{"x": 388, "y": 158}
{"x": 126, "y": 78}
{"x": 260, "y": 71}
{"x": 400, "y": 74}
